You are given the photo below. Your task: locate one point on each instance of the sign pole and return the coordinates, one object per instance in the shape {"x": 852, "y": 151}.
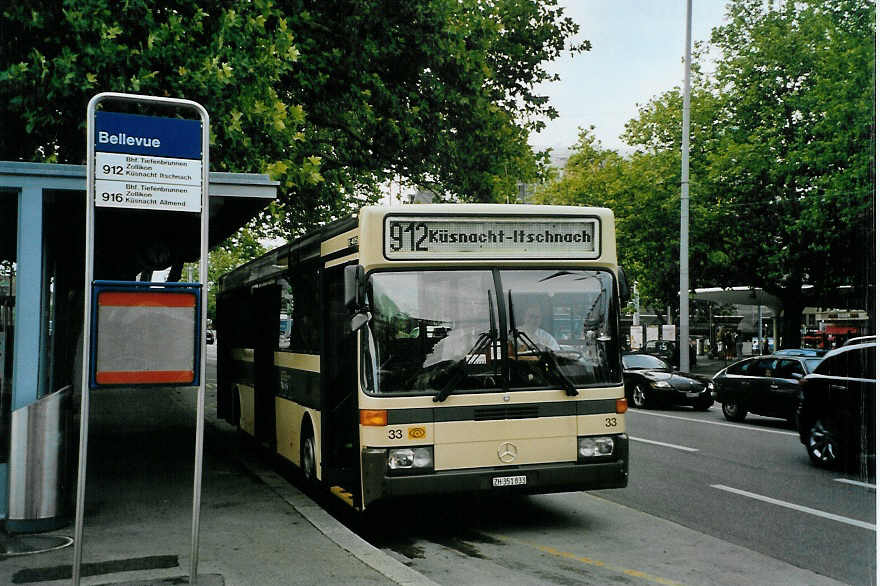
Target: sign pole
{"x": 177, "y": 191}
{"x": 200, "y": 408}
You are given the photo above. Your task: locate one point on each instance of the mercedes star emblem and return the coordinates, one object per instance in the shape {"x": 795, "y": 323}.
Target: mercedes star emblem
{"x": 507, "y": 452}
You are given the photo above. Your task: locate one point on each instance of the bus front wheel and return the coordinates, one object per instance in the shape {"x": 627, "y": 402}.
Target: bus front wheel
{"x": 307, "y": 457}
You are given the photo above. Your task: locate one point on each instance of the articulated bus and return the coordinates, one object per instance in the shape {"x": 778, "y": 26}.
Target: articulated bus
{"x": 433, "y": 349}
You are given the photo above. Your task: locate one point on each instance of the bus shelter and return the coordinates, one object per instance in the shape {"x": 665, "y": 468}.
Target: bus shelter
{"x": 42, "y": 263}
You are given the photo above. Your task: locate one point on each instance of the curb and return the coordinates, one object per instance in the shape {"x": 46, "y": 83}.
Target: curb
{"x": 337, "y": 532}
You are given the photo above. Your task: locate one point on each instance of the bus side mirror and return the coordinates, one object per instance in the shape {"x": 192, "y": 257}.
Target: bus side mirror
{"x": 359, "y": 320}
{"x": 354, "y": 287}
{"x": 355, "y": 296}
{"x": 623, "y": 285}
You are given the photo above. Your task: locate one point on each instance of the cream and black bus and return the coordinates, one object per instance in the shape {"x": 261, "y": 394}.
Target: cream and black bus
{"x": 433, "y": 349}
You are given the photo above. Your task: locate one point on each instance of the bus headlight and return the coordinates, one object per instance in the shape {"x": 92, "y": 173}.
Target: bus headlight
{"x": 595, "y": 447}
{"x": 404, "y": 460}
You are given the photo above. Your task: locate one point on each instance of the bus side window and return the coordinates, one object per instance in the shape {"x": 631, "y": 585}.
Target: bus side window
{"x": 305, "y": 317}
{"x": 285, "y": 316}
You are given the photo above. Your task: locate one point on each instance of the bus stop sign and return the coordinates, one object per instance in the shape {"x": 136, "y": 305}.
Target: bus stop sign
{"x": 148, "y": 162}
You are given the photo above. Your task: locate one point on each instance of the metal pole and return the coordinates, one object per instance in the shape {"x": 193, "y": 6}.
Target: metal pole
{"x": 760, "y": 329}
{"x": 200, "y": 409}
{"x": 87, "y": 320}
{"x": 684, "y": 277}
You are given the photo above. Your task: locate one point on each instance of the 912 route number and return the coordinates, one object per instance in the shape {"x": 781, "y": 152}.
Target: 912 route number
{"x": 408, "y": 236}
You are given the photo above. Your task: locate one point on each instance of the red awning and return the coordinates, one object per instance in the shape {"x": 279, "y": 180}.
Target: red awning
{"x": 840, "y": 330}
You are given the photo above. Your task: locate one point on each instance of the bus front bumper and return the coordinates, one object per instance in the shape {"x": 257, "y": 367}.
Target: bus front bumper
{"x": 538, "y": 478}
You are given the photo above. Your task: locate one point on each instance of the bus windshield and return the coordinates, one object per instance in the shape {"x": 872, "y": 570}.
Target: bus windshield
{"x": 449, "y": 331}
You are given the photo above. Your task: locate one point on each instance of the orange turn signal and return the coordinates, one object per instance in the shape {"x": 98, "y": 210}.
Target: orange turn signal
{"x": 621, "y": 406}
{"x": 374, "y": 417}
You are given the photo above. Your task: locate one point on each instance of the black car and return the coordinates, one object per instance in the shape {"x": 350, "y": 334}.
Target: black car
{"x": 765, "y": 385}
{"x": 649, "y": 380}
{"x": 836, "y": 412}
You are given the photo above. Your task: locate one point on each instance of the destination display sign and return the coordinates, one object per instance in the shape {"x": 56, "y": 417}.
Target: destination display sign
{"x": 151, "y": 196}
{"x": 148, "y": 162}
{"x": 121, "y": 167}
{"x": 426, "y": 237}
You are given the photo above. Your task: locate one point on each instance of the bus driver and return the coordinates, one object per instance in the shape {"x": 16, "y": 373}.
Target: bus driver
{"x": 532, "y": 327}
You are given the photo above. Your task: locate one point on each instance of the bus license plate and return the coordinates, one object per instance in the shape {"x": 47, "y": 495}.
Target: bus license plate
{"x": 509, "y": 480}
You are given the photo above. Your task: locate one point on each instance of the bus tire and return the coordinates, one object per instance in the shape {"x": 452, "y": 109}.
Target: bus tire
{"x": 307, "y": 458}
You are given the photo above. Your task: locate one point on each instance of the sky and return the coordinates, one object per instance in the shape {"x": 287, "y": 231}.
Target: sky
{"x": 637, "y": 54}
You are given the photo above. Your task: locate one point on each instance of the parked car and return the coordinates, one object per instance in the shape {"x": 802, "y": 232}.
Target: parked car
{"x": 764, "y": 385}
{"x": 860, "y": 340}
{"x": 836, "y": 419}
{"x": 668, "y": 350}
{"x": 800, "y": 352}
{"x": 209, "y": 336}
{"x": 649, "y": 380}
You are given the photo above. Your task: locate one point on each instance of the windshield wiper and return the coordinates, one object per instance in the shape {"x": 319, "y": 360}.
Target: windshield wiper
{"x": 484, "y": 340}
{"x": 548, "y": 358}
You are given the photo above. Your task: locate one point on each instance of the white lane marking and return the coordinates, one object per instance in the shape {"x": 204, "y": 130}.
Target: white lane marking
{"x": 802, "y": 509}
{"x": 746, "y": 427}
{"x": 665, "y": 445}
{"x": 856, "y": 483}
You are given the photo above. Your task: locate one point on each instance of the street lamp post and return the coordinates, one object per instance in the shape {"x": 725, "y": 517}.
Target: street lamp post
{"x": 684, "y": 309}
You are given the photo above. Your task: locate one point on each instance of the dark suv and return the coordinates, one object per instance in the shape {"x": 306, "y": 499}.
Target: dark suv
{"x": 836, "y": 412}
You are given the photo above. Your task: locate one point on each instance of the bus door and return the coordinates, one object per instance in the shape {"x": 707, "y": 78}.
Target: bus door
{"x": 340, "y": 460}
{"x": 233, "y": 332}
{"x": 265, "y": 305}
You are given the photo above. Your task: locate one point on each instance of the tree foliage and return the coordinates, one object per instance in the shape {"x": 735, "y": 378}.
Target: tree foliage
{"x": 228, "y": 55}
{"x": 782, "y": 161}
{"x": 795, "y": 159}
{"x": 436, "y": 93}
{"x": 332, "y": 97}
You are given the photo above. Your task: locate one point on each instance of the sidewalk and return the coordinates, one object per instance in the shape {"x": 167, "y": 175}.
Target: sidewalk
{"x": 256, "y": 528}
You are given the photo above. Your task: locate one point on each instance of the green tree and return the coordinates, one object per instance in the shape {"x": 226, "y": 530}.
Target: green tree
{"x": 644, "y": 190}
{"x": 228, "y": 55}
{"x": 782, "y": 162}
{"x": 793, "y": 168}
{"x": 333, "y": 98}
{"x": 436, "y": 93}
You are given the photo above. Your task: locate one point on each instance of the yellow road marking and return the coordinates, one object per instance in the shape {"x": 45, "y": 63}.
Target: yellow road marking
{"x": 583, "y": 559}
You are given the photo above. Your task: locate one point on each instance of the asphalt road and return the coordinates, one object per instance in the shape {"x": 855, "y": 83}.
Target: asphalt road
{"x": 709, "y": 502}
{"x": 751, "y": 484}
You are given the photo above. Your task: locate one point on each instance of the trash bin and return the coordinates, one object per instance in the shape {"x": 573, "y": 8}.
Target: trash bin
{"x": 38, "y": 470}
